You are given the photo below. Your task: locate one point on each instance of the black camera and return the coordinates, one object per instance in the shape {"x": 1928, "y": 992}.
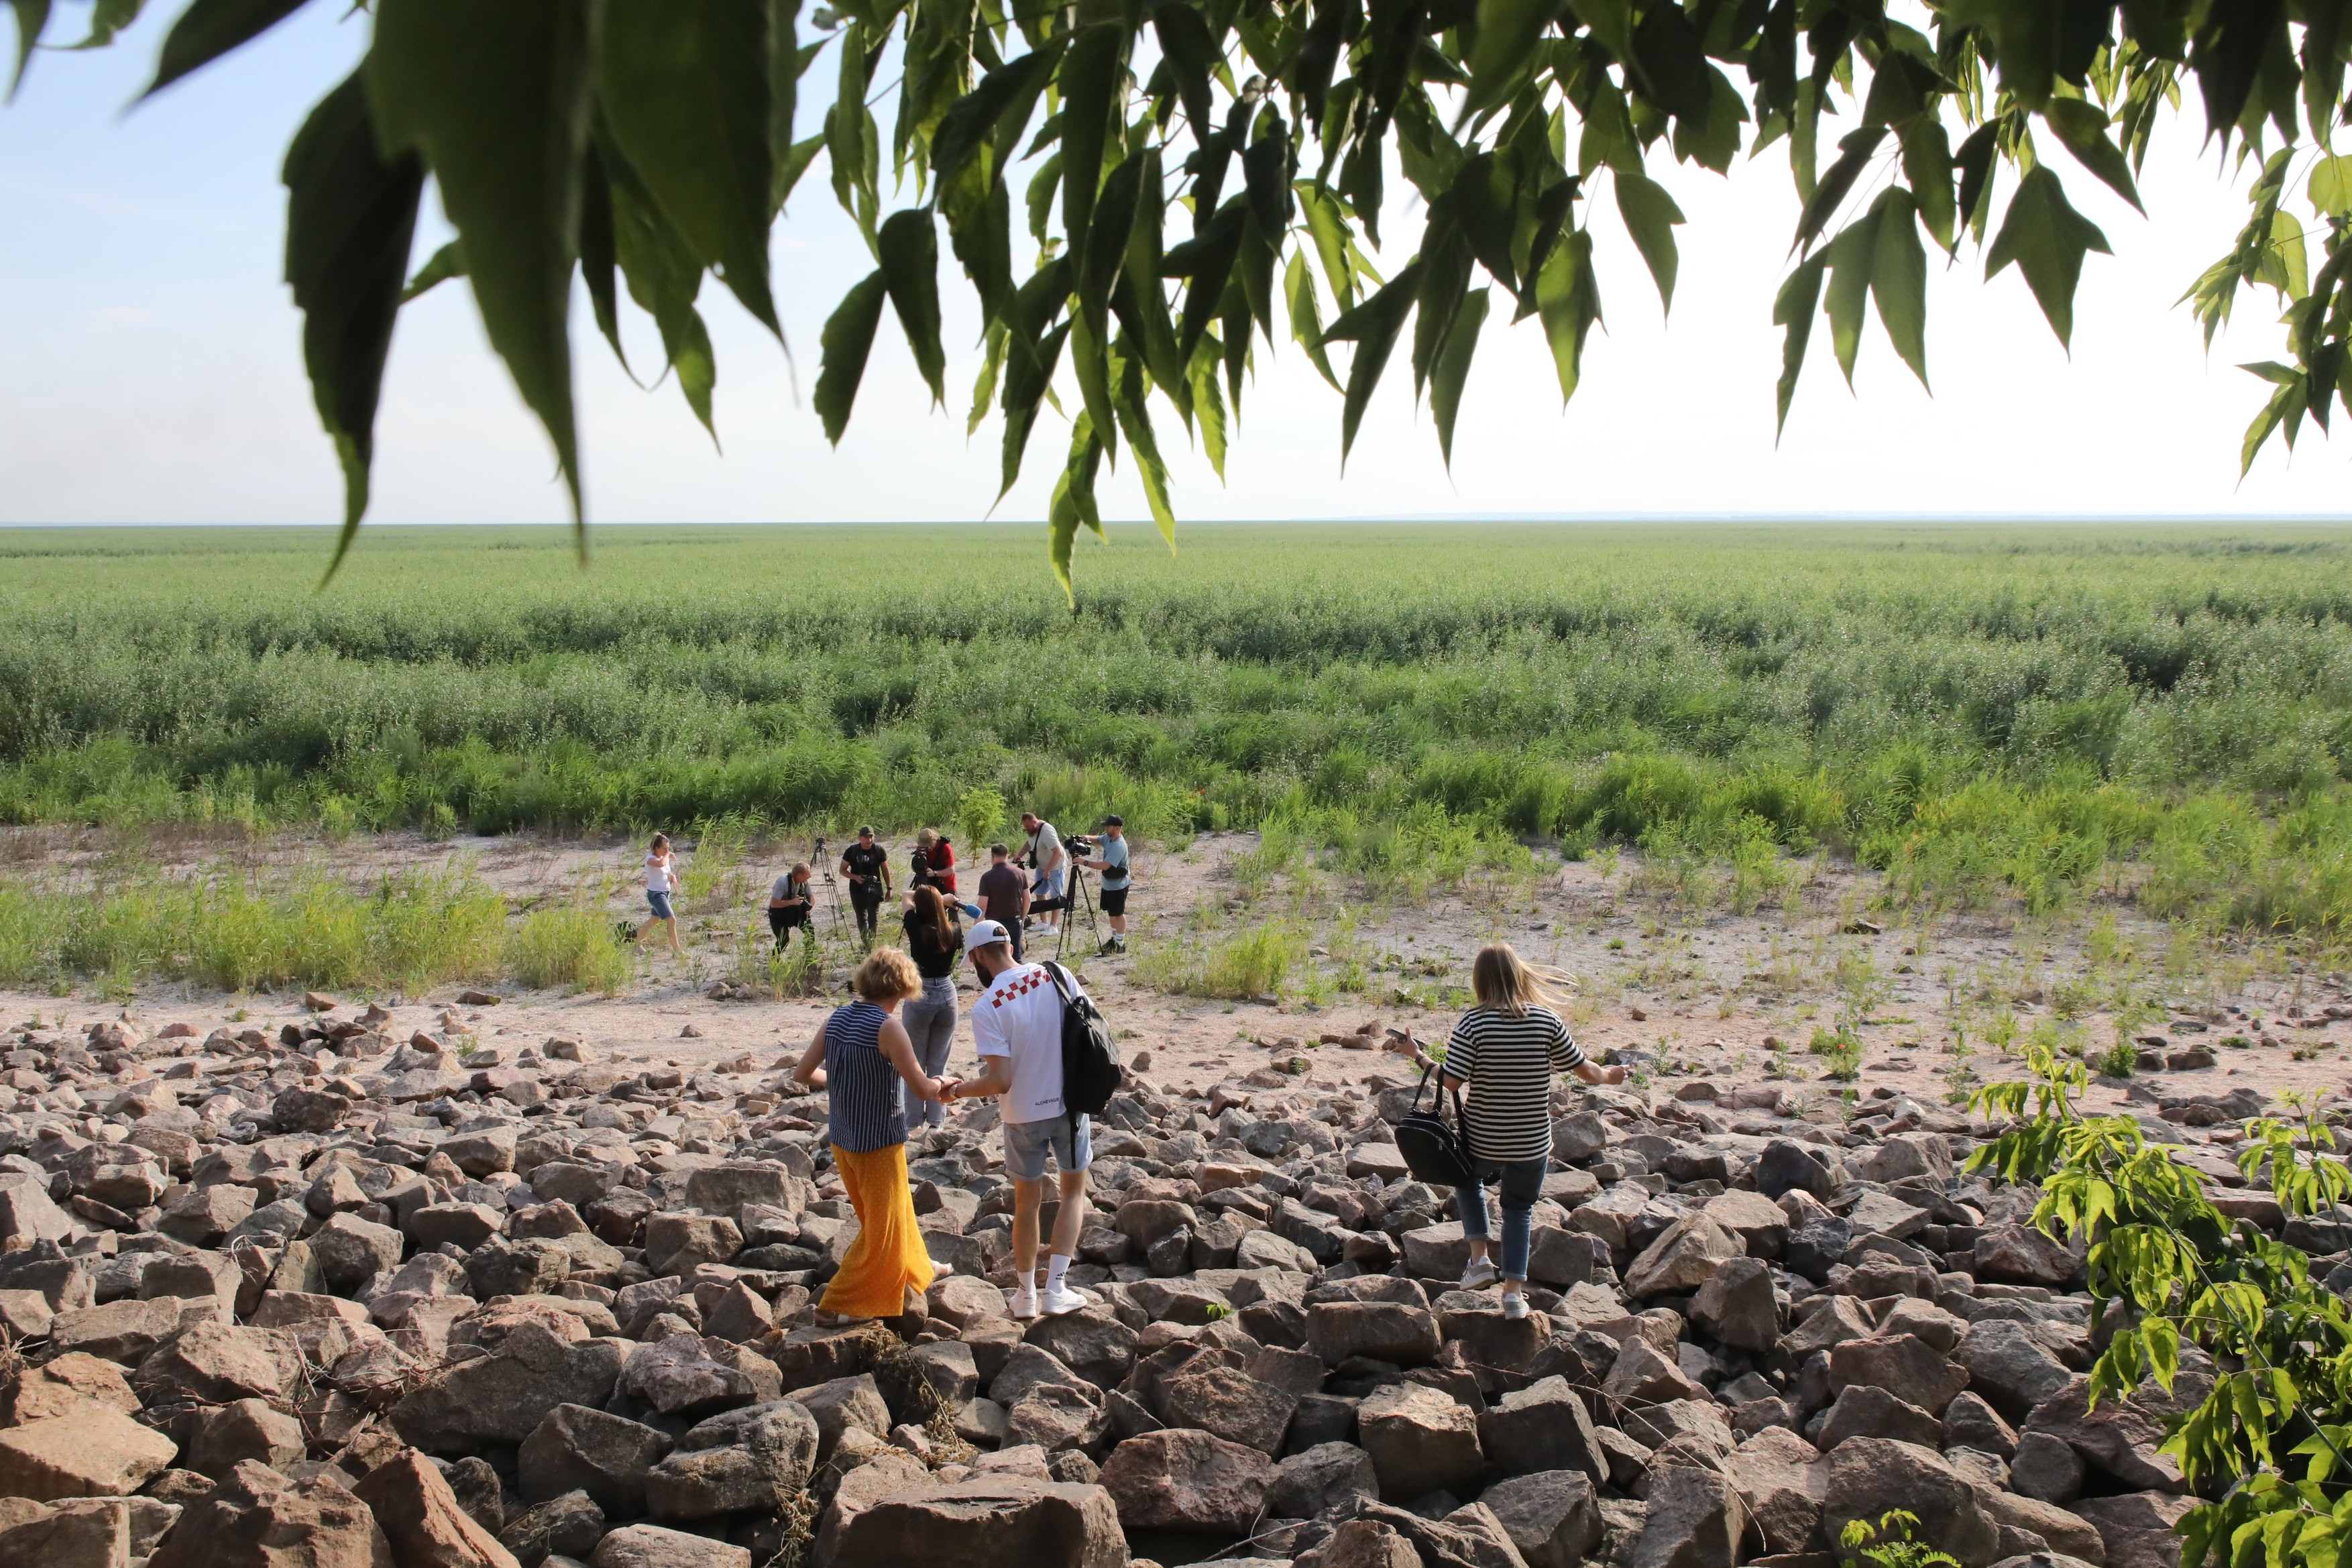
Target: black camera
{"x": 1085, "y": 844}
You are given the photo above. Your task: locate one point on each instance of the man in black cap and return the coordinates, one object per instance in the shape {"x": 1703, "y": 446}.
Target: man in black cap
{"x": 1114, "y": 883}
{"x": 866, "y": 867}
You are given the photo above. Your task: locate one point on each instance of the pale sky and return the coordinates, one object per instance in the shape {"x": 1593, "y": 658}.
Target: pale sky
{"x": 151, "y": 372}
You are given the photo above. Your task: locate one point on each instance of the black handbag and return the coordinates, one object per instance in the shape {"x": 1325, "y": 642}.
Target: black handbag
{"x": 1433, "y": 1146}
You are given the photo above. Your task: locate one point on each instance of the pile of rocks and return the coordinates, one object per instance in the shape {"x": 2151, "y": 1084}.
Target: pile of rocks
{"x": 317, "y": 1298}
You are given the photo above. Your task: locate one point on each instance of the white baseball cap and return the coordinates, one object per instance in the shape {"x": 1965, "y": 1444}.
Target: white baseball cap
{"x": 985, "y": 933}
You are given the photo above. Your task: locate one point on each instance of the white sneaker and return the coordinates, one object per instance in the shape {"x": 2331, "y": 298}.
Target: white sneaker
{"x": 1515, "y": 1307}
{"x": 1025, "y": 1303}
{"x": 1480, "y": 1272}
{"x": 1064, "y": 1300}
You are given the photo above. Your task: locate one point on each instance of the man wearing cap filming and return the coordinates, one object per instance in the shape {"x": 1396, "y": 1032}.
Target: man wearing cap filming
{"x": 1017, "y": 1026}
{"x": 1113, "y": 867}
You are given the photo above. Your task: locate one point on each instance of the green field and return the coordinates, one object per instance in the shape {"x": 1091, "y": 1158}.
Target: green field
{"x": 2021, "y": 714}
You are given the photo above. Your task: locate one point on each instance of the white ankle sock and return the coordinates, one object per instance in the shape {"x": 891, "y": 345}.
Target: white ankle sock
{"x": 1056, "y": 1266}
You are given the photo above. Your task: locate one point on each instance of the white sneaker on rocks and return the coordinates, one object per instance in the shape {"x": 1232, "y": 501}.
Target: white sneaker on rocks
{"x": 1025, "y": 1303}
{"x": 1481, "y": 1271}
{"x": 1515, "y": 1307}
{"x": 1061, "y": 1300}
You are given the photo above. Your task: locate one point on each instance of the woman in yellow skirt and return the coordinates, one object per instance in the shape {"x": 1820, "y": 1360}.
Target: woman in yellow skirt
{"x": 861, "y": 1055}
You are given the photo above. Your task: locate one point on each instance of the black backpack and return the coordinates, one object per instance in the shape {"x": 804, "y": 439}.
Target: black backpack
{"x": 1090, "y": 1069}
{"x": 1432, "y": 1146}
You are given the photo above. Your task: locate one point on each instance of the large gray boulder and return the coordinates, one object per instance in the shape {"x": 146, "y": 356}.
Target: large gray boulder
{"x": 606, "y": 1457}
{"x": 502, "y": 1396}
{"x": 755, "y": 1460}
{"x": 1870, "y": 1476}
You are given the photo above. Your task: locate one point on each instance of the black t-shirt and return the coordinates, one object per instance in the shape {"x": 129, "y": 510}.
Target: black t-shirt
{"x": 934, "y": 959}
{"x": 870, "y": 864}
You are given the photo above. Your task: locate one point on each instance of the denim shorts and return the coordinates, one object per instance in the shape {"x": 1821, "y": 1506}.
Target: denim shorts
{"x": 1026, "y": 1143}
{"x": 660, "y": 902}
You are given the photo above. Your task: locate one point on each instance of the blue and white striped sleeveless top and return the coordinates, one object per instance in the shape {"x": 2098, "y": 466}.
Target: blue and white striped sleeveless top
{"x": 867, "y": 1112}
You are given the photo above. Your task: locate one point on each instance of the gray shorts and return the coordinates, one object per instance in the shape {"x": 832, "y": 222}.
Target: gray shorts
{"x": 1026, "y": 1143}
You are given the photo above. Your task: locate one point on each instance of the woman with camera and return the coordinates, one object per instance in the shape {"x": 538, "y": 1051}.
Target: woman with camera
{"x": 935, "y": 940}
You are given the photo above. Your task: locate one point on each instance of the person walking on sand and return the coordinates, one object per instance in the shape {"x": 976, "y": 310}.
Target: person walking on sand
{"x": 1017, "y": 1026}
{"x": 935, "y": 942}
{"x": 1505, "y": 1049}
{"x": 862, "y": 1057}
{"x": 661, "y": 887}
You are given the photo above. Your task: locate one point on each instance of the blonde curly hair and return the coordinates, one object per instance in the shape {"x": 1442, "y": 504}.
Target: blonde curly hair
{"x": 885, "y": 976}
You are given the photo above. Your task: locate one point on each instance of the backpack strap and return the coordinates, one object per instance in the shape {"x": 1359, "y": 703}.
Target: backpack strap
{"x": 1061, "y": 979}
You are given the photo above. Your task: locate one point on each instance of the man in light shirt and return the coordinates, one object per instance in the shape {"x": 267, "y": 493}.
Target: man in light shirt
{"x": 1017, "y": 1026}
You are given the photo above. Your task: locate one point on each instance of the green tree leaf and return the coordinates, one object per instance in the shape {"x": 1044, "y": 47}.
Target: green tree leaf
{"x": 910, "y": 267}
{"x": 1568, "y": 298}
{"x": 2330, "y": 187}
{"x": 32, "y": 21}
{"x": 848, "y": 338}
{"x": 1793, "y": 310}
{"x": 599, "y": 254}
{"x": 1898, "y": 278}
{"x": 2083, "y": 131}
{"x": 1927, "y": 169}
{"x": 1135, "y": 424}
{"x": 1854, "y": 155}
{"x": 2046, "y": 237}
{"x": 351, "y": 218}
{"x": 209, "y": 29}
{"x": 1853, "y": 256}
{"x": 1505, "y": 49}
{"x": 1307, "y": 316}
{"x": 1373, "y": 327}
{"x": 1650, "y": 217}
{"x": 1089, "y": 80}
{"x": 1452, "y": 372}
{"x": 687, "y": 91}
{"x": 446, "y": 263}
{"x": 497, "y": 99}
{"x": 664, "y": 277}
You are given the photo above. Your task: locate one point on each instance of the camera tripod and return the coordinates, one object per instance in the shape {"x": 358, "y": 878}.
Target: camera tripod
{"x": 832, "y": 887}
{"x": 1069, "y": 905}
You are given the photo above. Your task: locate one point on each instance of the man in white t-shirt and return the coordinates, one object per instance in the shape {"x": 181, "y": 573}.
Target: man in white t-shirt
{"x": 1017, "y": 1026}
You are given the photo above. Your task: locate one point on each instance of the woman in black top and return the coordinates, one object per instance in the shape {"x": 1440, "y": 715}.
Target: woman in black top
{"x": 935, "y": 939}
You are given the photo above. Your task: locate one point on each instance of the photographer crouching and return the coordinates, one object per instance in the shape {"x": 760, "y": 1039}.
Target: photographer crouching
{"x": 1112, "y": 866}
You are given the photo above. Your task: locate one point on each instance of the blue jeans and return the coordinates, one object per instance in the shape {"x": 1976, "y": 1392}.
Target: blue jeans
{"x": 929, "y": 1020}
{"x": 1521, "y": 1181}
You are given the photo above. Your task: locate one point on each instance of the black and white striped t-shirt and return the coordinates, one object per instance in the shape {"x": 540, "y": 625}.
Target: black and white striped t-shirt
{"x": 1507, "y": 1061}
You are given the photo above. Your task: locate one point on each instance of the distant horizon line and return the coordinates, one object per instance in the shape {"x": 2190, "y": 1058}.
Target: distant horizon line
{"x": 1584, "y": 517}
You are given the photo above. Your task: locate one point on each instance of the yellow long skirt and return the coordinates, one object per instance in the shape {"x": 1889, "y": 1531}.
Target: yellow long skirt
{"x": 888, "y": 1254}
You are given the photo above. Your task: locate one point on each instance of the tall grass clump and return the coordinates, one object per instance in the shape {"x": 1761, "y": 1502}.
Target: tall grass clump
{"x": 576, "y": 947}
{"x": 409, "y": 932}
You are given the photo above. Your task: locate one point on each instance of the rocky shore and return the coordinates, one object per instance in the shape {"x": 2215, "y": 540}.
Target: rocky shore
{"x": 355, "y": 1294}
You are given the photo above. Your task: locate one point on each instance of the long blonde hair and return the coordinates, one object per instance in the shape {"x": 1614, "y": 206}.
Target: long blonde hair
{"x": 1506, "y": 983}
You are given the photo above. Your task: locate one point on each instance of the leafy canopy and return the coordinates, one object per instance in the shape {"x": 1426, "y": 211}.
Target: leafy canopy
{"x": 1195, "y": 176}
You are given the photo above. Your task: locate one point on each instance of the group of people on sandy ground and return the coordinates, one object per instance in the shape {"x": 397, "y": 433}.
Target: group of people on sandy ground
{"x": 1031, "y": 884}
{"x": 883, "y": 1061}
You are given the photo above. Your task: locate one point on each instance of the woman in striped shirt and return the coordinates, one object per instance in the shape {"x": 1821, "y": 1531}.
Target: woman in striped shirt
{"x": 1505, "y": 1049}
{"x": 860, "y": 1056}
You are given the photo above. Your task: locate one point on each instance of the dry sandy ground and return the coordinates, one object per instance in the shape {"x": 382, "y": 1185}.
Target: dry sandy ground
{"x": 1699, "y": 990}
